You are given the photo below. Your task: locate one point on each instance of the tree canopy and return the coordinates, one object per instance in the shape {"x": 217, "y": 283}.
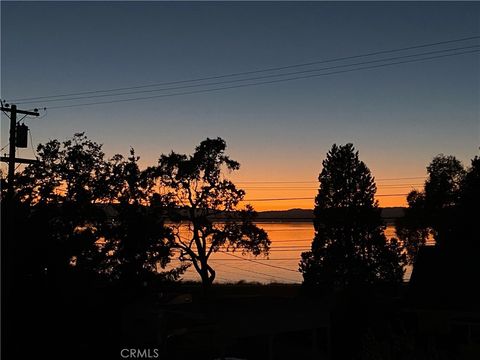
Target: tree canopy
{"x": 349, "y": 247}
{"x": 108, "y": 218}
{"x": 204, "y": 205}
{"x": 433, "y": 210}
{"x": 89, "y": 215}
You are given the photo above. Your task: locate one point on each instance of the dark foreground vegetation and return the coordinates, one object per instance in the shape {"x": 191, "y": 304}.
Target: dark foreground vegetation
{"x": 88, "y": 242}
{"x": 244, "y": 321}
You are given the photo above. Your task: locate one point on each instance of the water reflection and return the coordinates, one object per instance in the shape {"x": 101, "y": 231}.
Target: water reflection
{"x": 289, "y": 240}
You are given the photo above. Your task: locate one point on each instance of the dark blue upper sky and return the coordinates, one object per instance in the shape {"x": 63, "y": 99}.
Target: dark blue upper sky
{"x": 399, "y": 117}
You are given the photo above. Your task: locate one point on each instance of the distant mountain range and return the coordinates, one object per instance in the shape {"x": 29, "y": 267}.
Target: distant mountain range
{"x": 388, "y": 213}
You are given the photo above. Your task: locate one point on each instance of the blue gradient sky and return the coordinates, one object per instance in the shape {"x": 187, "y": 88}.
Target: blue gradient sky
{"x": 398, "y": 117}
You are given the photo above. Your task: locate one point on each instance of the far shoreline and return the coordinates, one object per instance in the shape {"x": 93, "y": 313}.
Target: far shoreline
{"x": 390, "y": 214}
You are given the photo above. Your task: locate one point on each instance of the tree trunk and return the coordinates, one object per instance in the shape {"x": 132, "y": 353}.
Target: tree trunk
{"x": 207, "y": 278}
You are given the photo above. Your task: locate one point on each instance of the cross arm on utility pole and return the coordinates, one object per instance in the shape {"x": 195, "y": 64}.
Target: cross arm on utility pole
{"x": 19, "y": 160}
{"x": 23, "y": 112}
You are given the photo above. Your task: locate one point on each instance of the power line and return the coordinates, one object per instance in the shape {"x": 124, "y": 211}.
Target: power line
{"x": 257, "y": 71}
{"x": 195, "y": 279}
{"x": 306, "y": 198}
{"x": 269, "y": 276}
{"x": 280, "y": 199}
{"x": 292, "y": 229}
{"x": 257, "y": 262}
{"x": 288, "y": 246}
{"x": 289, "y": 240}
{"x": 316, "y": 188}
{"x": 274, "y": 248}
{"x": 402, "y": 178}
{"x": 3, "y": 111}
{"x": 316, "y": 181}
{"x": 3, "y": 148}
{"x": 31, "y": 144}
{"x": 266, "y": 220}
{"x": 223, "y": 271}
{"x": 256, "y": 272}
{"x": 255, "y": 78}
{"x": 292, "y": 249}
{"x": 259, "y": 83}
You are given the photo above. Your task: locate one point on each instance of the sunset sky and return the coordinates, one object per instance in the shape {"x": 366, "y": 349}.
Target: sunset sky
{"x": 398, "y": 116}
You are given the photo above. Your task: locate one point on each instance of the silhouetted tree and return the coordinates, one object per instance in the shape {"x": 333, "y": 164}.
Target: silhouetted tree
{"x": 91, "y": 216}
{"x": 72, "y": 171}
{"x": 349, "y": 247}
{"x": 412, "y": 229}
{"x": 204, "y": 205}
{"x": 442, "y": 193}
{"x": 62, "y": 190}
{"x": 136, "y": 242}
{"x": 433, "y": 210}
{"x": 442, "y": 187}
{"x": 450, "y": 212}
{"x": 88, "y": 233}
{"x": 464, "y": 237}
{"x": 460, "y": 245}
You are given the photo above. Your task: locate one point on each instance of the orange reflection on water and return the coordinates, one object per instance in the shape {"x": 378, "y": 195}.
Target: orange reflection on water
{"x": 289, "y": 240}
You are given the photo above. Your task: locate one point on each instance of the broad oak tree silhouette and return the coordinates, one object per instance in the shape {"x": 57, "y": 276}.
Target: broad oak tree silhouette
{"x": 205, "y": 201}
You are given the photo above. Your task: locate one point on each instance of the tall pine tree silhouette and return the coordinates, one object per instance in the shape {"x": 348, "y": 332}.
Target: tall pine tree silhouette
{"x": 350, "y": 247}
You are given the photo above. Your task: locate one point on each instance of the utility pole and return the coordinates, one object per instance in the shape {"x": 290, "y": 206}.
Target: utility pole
{"x": 8, "y": 300}
{"x": 11, "y": 152}
{"x": 12, "y": 140}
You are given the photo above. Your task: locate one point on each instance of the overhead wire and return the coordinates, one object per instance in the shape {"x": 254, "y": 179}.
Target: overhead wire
{"x": 260, "y": 70}
{"x": 290, "y": 240}
{"x": 304, "y": 198}
{"x": 259, "y": 83}
{"x": 31, "y": 144}
{"x": 316, "y": 181}
{"x": 255, "y": 261}
{"x": 257, "y": 272}
{"x": 253, "y": 78}
{"x": 316, "y": 188}
{"x": 264, "y": 275}
{"x": 3, "y": 111}
{"x": 292, "y": 249}
{"x": 253, "y": 271}
{"x": 259, "y": 261}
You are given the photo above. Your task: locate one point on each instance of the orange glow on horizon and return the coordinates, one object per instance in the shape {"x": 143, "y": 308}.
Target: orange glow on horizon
{"x": 280, "y": 177}
{"x": 303, "y": 197}
{"x": 300, "y": 180}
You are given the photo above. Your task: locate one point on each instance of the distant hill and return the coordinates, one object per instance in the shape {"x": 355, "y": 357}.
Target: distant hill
{"x": 393, "y": 212}
{"x": 286, "y": 215}
{"x": 298, "y": 215}
{"x": 389, "y": 213}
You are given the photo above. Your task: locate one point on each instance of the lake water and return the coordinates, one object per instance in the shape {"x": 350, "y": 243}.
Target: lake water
{"x": 289, "y": 240}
